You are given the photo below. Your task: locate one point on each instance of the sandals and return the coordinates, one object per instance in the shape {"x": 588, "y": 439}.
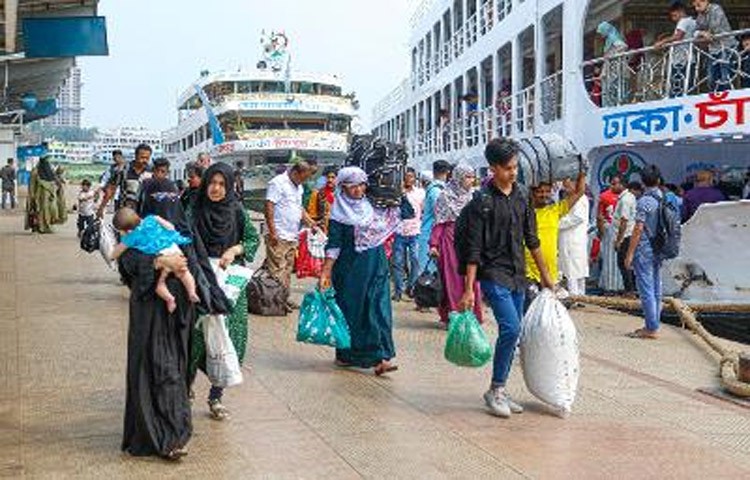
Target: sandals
{"x": 218, "y": 411}
{"x": 644, "y": 334}
{"x": 385, "y": 367}
{"x": 176, "y": 454}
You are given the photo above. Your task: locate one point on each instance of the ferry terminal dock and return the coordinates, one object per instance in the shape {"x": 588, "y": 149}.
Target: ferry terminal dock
{"x": 639, "y": 412}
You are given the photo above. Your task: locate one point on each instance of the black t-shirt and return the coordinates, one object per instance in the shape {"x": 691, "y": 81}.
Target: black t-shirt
{"x": 495, "y": 242}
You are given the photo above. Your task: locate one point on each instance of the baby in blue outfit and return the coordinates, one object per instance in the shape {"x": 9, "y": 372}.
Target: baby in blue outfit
{"x": 154, "y": 236}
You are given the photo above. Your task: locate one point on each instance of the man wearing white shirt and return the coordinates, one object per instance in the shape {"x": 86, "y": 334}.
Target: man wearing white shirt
{"x": 284, "y": 215}
{"x": 624, "y": 220}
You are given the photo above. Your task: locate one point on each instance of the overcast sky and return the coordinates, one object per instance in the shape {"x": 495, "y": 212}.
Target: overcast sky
{"x": 157, "y": 48}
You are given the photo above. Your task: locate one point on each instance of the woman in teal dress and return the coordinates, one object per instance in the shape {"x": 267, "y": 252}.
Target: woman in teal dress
{"x": 357, "y": 268}
{"x": 228, "y": 235}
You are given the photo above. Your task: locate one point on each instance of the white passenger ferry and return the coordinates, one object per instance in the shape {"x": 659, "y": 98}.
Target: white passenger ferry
{"x": 260, "y": 117}
{"x": 487, "y": 68}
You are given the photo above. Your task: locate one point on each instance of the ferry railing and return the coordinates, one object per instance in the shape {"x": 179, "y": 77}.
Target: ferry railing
{"x": 437, "y": 65}
{"x": 503, "y": 115}
{"x": 459, "y": 42}
{"x": 550, "y": 98}
{"x": 525, "y": 108}
{"x": 472, "y": 30}
{"x": 486, "y": 16}
{"x": 447, "y": 52}
{"x": 504, "y": 7}
{"x": 687, "y": 67}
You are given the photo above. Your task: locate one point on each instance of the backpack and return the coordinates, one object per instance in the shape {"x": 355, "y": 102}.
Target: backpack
{"x": 91, "y": 236}
{"x": 266, "y": 295}
{"x": 665, "y": 241}
{"x": 385, "y": 165}
{"x": 484, "y": 197}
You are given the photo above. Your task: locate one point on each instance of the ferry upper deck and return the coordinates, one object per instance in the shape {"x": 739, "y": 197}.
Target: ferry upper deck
{"x": 487, "y": 68}
{"x": 260, "y": 116}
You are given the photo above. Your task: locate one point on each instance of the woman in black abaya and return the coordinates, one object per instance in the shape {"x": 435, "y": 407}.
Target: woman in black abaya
{"x": 157, "y": 409}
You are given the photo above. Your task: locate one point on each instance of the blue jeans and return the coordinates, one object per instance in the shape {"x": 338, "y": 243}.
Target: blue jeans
{"x": 403, "y": 248}
{"x": 507, "y": 307}
{"x": 648, "y": 280}
{"x": 720, "y": 71}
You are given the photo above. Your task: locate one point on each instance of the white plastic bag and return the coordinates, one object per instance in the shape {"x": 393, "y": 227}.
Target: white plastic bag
{"x": 222, "y": 364}
{"x": 107, "y": 243}
{"x": 549, "y": 353}
{"x": 233, "y": 280}
{"x": 316, "y": 243}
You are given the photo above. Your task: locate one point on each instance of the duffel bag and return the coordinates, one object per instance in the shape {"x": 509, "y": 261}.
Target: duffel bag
{"x": 266, "y": 295}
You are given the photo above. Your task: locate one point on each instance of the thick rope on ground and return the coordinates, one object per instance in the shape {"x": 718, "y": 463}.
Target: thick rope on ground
{"x": 729, "y": 363}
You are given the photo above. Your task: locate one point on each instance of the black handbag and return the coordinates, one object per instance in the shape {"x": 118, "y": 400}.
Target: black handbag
{"x": 428, "y": 290}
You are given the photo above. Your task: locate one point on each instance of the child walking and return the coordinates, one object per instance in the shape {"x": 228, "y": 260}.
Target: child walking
{"x": 86, "y": 207}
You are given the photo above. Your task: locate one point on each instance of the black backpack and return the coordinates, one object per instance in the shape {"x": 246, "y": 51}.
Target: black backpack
{"x": 484, "y": 197}
{"x": 665, "y": 241}
{"x": 385, "y": 165}
{"x": 91, "y": 236}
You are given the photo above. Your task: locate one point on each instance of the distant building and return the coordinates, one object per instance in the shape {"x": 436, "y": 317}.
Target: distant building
{"x": 70, "y": 152}
{"x": 68, "y": 103}
{"x": 125, "y": 139}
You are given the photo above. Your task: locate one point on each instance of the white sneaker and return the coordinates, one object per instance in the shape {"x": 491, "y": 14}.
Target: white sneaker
{"x": 497, "y": 402}
{"x": 515, "y": 407}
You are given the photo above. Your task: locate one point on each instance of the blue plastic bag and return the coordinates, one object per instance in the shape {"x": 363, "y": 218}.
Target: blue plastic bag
{"x": 321, "y": 321}
{"x": 466, "y": 344}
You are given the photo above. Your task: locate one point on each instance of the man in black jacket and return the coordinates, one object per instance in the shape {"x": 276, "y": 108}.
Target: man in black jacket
{"x": 496, "y": 234}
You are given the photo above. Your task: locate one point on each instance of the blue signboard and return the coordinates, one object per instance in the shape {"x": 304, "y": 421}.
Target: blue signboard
{"x": 52, "y": 37}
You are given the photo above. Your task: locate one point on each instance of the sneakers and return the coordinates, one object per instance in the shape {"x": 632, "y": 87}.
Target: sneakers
{"x": 500, "y": 403}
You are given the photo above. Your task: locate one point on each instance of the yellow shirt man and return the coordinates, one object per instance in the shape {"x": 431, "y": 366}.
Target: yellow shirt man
{"x": 548, "y": 226}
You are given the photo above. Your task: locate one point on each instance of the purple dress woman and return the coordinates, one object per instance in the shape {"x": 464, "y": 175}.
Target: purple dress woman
{"x": 449, "y": 204}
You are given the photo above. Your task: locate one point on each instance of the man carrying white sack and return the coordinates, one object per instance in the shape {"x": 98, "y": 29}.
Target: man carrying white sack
{"x": 573, "y": 243}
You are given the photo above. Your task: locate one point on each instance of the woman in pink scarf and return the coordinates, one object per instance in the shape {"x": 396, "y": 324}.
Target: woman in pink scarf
{"x": 449, "y": 204}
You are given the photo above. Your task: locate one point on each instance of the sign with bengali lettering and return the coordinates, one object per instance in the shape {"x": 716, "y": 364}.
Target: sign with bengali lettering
{"x": 279, "y": 140}
{"x": 715, "y": 113}
{"x": 286, "y": 103}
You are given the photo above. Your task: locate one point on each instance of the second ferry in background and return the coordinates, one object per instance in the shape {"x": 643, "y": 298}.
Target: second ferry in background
{"x": 256, "y": 119}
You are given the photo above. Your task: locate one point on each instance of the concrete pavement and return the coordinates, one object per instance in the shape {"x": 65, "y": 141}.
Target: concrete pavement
{"x": 63, "y": 318}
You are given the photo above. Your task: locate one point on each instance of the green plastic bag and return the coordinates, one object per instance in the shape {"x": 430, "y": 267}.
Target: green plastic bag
{"x": 467, "y": 344}
{"x": 321, "y": 321}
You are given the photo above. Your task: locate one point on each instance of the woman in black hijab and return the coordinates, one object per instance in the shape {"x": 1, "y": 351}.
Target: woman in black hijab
{"x": 223, "y": 227}
{"x": 157, "y": 412}
{"x": 161, "y": 197}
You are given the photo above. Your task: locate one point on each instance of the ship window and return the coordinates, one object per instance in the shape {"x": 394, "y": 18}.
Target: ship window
{"x": 255, "y": 87}
{"x": 273, "y": 87}
{"x": 244, "y": 87}
{"x": 305, "y": 87}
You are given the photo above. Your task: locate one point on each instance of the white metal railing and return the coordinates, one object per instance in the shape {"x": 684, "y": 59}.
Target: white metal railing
{"x": 504, "y": 7}
{"x": 688, "y": 67}
{"x": 512, "y": 114}
{"x": 472, "y": 30}
{"x": 550, "y": 98}
{"x": 459, "y": 42}
{"x": 480, "y": 23}
{"x": 525, "y": 106}
{"x": 486, "y": 16}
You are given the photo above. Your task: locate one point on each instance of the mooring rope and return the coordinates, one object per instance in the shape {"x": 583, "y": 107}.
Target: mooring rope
{"x": 729, "y": 363}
